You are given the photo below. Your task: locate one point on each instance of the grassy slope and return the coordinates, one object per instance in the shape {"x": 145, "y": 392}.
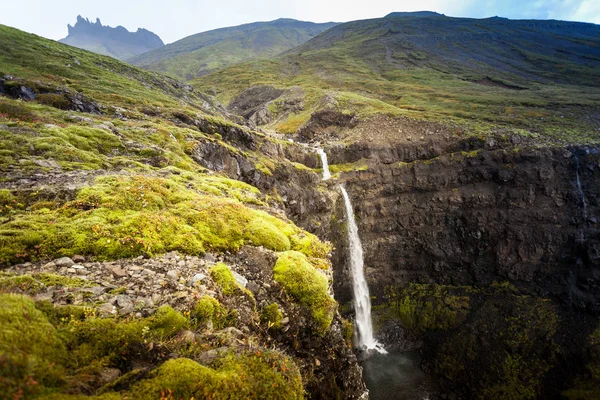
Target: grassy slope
{"x": 427, "y": 68}
{"x": 118, "y": 183}
{"x": 202, "y": 53}
{"x": 134, "y": 147}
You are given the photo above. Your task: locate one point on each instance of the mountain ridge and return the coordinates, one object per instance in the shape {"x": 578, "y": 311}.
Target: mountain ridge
{"x": 436, "y": 67}
{"x": 116, "y": 42}
{"x": 205, "y": 52}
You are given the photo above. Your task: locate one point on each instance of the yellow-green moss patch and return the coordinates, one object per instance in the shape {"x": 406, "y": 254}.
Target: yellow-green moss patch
{"x": 271, "y": 316}
{"x": 261, "y": 374}
{"x": 307, "y": 285}
{"x": 223, "y": 277}
{"x": 208, "y": 311}
{"x": 125, "y": 216}
{"x": 31, "y": 351}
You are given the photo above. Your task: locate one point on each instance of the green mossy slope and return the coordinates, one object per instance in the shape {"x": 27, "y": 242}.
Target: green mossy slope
{"x": 308, "y": 286}
{"x": 126, "y": 216}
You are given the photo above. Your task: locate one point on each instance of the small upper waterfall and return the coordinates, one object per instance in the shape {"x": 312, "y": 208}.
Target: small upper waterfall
{"x": 362, "y": 302}
{"x": 584, "y": 203}
{"x": 326, "y": 173}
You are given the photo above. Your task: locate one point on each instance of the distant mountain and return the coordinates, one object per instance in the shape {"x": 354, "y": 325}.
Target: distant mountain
{"x": 414, "y": 14}
{"x": 115, "y": 42}
{"x": 429, "y": 65}
{"x": 205, "y": 52}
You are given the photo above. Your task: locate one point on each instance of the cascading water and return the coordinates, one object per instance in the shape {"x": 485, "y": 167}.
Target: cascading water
{"x": 362, "y": 302}
{"x": 326, "y": 173}
{"x": 583, "y": 199}
{"x": 584, "y": 203}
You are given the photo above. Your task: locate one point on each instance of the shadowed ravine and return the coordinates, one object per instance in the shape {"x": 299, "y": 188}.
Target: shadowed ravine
{"x": 395, "y": 376}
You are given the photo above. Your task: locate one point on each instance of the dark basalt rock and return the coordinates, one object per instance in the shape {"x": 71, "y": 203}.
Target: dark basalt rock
{"x": 465, "y": 212}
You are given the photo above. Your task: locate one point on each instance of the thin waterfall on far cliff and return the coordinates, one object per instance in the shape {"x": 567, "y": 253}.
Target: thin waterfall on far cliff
{"x": 584, "y": 203}
{"x": 362, "y": 302}
{"x": 582, "y": 198}
{"x": 326, "y": 173}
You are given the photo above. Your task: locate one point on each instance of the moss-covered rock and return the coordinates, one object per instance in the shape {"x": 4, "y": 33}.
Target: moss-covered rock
{"x": 120, "y": 217}
{"x": 223, "y": 277}
{"x": 307, "y": 285}
{"x": 208, "y": 311}
{"x": 32, "y": 353}
{"x": 271, "y": 316}
{"x": 260, "y": 374}
{"x": 167, "y": 322}
{"x": 120, "y": 340}
{"x": 587, "y": 386}
{"x": 424, "y": 308}
{"x": 503, "y": 351}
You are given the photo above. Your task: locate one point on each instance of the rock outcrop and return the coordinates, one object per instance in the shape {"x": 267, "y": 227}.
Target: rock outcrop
{"x": 469, "y": 234}
{"x": 115, "y": 42}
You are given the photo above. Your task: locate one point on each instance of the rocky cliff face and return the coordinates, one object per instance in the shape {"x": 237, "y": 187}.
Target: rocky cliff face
{"x": 445, "y": 220}
{"x": 115, "y": 42}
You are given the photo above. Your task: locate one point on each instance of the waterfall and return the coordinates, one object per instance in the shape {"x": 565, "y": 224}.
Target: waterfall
{"x": 582, "y": 198}
{"x": 326, "y": 173}
{"x": 362, "y": 302}
{"x": 584, "y": 203}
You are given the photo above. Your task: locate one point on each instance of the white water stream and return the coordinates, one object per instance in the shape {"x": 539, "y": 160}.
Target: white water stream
{"x": 362, "y": 302}
{"x": 584, "y": 202}
{"x": 326, "y": 173}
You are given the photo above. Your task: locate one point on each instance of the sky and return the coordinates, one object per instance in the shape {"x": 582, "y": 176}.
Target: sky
{"x": 176, "y": 19}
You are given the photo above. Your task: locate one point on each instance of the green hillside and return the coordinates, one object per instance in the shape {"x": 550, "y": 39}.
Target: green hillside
{"x": 205, "y": 52}
{"x": 540, "y": 76}
{"x": 101, "y": 161}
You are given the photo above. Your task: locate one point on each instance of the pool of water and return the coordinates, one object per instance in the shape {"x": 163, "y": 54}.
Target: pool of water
{"x": 396, "y": 376}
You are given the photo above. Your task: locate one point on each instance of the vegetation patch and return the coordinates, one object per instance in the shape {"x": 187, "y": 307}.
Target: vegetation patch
{"x": 32, "y": 353}
{"x": 209, "y": 312}
{"x": 271, "y": 316}
{"x": 520, "y": 348}
{"x": 261, "y": 374}
{"x": 223, "y": 277}
{"x": 126, "y": 216}
{"x": 307, "y": 285}
{"x": 423, "y": 308}
{"x": 587, "y": 386}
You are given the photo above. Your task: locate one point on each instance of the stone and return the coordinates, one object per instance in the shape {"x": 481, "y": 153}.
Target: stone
{"x": 240, "y": 279}
{"x": 26, "y": 93}
{"x": 123, "y": 300}
{"x": 187, "y": 336}
{"x": 50, "y": 265}
{"x": 209, "y": 258}
{"x": 107, "y": 309}
{"x": 173, "y": 274}
{"x": 47, "y": 296}
{"x": 119, "y": 272}
{"x": 64, "y": 262}
{"x": 285, "y": 321}
{"x": 78, "y": 258}
{"x": 253, "y": 287}
{"x": 196, "y": 279}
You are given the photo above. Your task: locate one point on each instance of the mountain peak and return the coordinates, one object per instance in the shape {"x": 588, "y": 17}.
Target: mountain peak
{"x": 414, "y": 14}
{"x": 115, "y": 42}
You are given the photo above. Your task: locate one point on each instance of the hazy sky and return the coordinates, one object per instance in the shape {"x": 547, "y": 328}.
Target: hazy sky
{"x": 175, "y": 19}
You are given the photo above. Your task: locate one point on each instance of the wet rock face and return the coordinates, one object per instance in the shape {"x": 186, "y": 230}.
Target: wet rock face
{"x": 472, "y": 218}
